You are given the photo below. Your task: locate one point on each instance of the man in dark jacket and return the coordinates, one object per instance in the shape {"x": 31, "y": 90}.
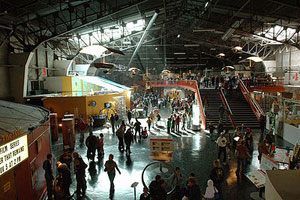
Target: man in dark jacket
{"x": 217, "y": 175}
{"x": 154, "y": 187}
{"x": 91, "y": 143}
{"x": 47, "y": 166}
{"x": 120, "y": 135}
{"x": 128, "y": 137}
{"x": 112, "y": 122}
{"x": 129, "y": 115}
{"x": 137, "y": 126}
{"x": 79, "y": 169}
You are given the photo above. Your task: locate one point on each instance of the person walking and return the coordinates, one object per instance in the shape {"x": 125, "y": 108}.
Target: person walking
{"x": 91, "y": 123}
{"x": 242, "y": 154}
{"x": 169, "y": 125}
{"x": 110, "y": 168}
{"x": 221, "y": 112}
{"x": 120, "y": 135}
{"x": 149, "y": 121}
{"x": 100, "y": 144}
{"x": 112, "y": 122}
{"x": 262, "y": 123}
{"x": 91, "y": 143}
{"x": 220, "y": 128}
{"x": 262, "y": 149}
{"x": 154, "y": 187}
{"x": 194, "y": 192}
{"x": 128, "y": 137}
{"x": 183, "y": 121}
{"x": 211, "y": 128}
{"x": 129, "y": 115}
{"x": 177, "y": 123}
{"x": 47, "y": 166}
{"x": 116, "y": 121}
{"x": 221, "y": 145}
{"x": 79, "y": 170}
{"x": 137, "y": 127}
{"x": 145, "y": 195}
{"x": 217, "y": 175}
{"x": 210, "y": 191}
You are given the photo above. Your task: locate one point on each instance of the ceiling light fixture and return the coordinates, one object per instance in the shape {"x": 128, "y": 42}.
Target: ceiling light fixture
{"x": 255, "y": 59}
{"x": 239, "y": 48}
{"x": 221, "y": 54}
{"x": 178, "y": 36}
{"x": 96, "y": 50}
{"x": 191, "y": 45}
{"x": 179, "y": 53}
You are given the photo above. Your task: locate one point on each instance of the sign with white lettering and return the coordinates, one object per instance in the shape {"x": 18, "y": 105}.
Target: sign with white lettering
{"x": 13, "y": 153}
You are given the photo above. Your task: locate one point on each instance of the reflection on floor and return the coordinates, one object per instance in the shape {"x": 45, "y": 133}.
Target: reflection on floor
{"x": 193, "y": 152}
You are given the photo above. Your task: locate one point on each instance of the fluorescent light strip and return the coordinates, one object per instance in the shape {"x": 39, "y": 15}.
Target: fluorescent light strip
{"x": 179, "y": 53}
{"x": 191, "y": 45}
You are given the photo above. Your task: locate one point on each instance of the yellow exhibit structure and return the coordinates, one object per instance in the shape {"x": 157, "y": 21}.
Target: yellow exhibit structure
{"x": 87, "y": 97}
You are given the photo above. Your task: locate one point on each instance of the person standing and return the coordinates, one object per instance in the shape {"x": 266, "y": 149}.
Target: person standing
{"x": 91, "y": 123}
{"x": 221, "y": 145}
{"x": 262, "y": 149}
{"x": 91, "y": 143}
{"x": 110, "y": 168}
{"x": 79, "y": 170}
{"x": 137, "y": 126}
{"x": 194, "y": 192}
{"x": 116, "y": 120}
{"x": 145, "y": 195}
{"x": 100, "y": 145}
{"x": 183, "y": 121}
{"x": 210, "y": 191}
{"x": 154, "y": 187}
{"x": 211, "y": 128}
{"x": 242, "y": 154}
{"x": 262, "y": 123}
{"x": 120, "y": 135}
{"x": 112, "y": 122}
{"x": 64, "y": 175}
{"x": 217, "y": 175}
{"x": 47, "y": 166}
{"x": 220, "y": 128}
{"x": 129, "y": 115}
{"x": 169, "y": 125}
{"x": 149, "y": 121}
{"x": 177, "y": 123}
{"x": 128, "y": 137}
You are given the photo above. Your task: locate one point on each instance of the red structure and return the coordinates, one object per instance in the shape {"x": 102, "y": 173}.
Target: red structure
{"x": 26, "y": 180}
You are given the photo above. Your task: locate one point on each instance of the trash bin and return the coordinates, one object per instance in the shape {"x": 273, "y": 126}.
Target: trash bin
{"x": 99, "y": 120}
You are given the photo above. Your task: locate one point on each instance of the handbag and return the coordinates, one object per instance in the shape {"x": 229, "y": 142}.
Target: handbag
{"x": 217, "y": 195}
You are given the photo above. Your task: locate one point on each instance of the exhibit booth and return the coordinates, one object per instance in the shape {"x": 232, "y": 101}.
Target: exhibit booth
{"x": 24, "y": 145}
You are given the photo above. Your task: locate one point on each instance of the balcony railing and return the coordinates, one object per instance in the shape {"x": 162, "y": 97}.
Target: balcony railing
{"x": 258, "y": 111}
{"x": 227, "y": 107}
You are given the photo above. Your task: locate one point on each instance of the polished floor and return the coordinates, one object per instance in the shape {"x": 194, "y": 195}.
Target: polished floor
{"x": 193, "y": 152}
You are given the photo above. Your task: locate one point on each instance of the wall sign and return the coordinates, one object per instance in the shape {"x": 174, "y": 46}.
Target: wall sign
{"x": 13, "y": 153}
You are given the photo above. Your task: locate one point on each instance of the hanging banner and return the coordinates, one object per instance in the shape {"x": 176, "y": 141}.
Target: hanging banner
{"x": 13, "y": 153}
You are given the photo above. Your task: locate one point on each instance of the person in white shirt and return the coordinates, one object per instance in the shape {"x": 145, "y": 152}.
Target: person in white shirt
{"x": 221, "y": 145}
{"x": 210, "y": 190}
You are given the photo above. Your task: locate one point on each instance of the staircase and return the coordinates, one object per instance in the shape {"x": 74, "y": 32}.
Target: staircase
{"x": 241, "y": 110}
{"x": 214, "y": 102}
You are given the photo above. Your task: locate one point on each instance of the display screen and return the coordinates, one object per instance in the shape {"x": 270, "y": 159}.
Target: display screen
{"x": 107, "y": 105}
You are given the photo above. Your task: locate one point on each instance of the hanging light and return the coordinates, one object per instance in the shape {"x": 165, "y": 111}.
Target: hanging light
{"x": 255, "y": 59}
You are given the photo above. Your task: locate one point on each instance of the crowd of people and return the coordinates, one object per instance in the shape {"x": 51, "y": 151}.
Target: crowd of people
{"x": 238, "y": 144}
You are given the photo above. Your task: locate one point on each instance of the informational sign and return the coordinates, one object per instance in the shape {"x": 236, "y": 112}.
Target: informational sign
{"x": 160, "y": 145}
{"x": 13, "y": 153}
{"x": 268, "y": 164}
{"x": 44, "y": 72}
{"x": 257, "y": 177}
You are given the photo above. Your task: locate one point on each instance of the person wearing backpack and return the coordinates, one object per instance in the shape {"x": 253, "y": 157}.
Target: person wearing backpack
{"x": 79, "y": 169}
{"x": 47, "y": 166}
{"x": 217, "y": 175}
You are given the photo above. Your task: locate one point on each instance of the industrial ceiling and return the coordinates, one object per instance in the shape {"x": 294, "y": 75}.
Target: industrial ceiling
{"x": 187, "y": 34}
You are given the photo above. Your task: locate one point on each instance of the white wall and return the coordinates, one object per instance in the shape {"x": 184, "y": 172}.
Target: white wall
{"x": 53, "y": 84}
{"x": 291, "y": 133}
{"x": 61, "y": 67}
{"x": 270, "y": 66}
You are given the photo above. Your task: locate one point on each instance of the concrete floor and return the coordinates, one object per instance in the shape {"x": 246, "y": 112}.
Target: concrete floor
{"x": 193, "y": 152}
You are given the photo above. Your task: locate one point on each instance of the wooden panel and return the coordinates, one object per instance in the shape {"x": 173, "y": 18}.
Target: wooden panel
{"x": 7, "y": 186}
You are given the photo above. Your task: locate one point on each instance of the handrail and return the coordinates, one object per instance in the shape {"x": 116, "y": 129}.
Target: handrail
{"x": 225, "y": 103}
{"x": 187, "y": 84}
{"x": 258, "y": 111}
